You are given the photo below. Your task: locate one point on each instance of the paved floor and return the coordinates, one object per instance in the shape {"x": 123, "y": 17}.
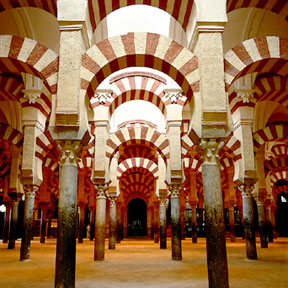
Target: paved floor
{"x": 140, "y": 263}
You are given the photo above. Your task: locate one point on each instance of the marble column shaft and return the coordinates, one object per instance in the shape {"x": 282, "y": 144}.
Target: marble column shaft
{"x": 262, "y": 225}
{"x": 214, "y": 216}
{"x": 112, "y": 223}
{"x": 232, "y": 223}
{"x": 99, "y": 243}
{"x": 269, "y": 225}
{"x": 44, "y": 210}
{"x": 13, "y": 224}
{"x": 162, "y": 220}
{"x": 92, "y": 223}
{"x": 81, "y": 224}
{"x": 249, "y": 229}
{"x": 176, "y": 222}
{"x": 30, "y": 191}
{"x": 67, "y": 206}
{"x": 6, "y": 223}
{"x": 194, "y": 223}
{"x": 156, "y": 223}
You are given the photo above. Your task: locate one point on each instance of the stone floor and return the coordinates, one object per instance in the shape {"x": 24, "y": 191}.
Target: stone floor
{"x": 140, "y": 263}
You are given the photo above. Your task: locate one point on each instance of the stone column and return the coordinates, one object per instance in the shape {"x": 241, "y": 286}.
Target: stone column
{"x": 44, "y": 210}
{"x": 249, "y": 229}
{"x": 193, "y": 221}
{"x": 156, "y": 222}
{"x": 30, "y": 191}
{"x": 261, "y": 223}
{"x": 232, "y": 221}
{"x": 113, "y": 221}
{"x": 268, "y": 218}
{"x": 182, "y": 213}
{"x": 81, "y": 224}
{"x": 124, "y": 222}
{"x": 13, "y": 222}
{"x": 99, "y": 244}
{"x": 214, "y": 215}
{"x": 119, "y": 223}
{"x": 67, "y": 205}
{"x": 162, "y": 220}
{"x": 49, "y": 224}
{"x": 6, "y": 222}
{"x": 149, "y": 222}
{"x": 176, "y": 221}
{"x": 92, "y": 223}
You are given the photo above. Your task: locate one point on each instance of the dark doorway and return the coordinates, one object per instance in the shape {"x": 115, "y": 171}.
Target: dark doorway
{"x": 137, "y": 218}
{"x": 281, "y": 214}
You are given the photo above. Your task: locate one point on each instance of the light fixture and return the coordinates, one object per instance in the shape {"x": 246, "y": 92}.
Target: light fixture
{"x": 3, "y": 208}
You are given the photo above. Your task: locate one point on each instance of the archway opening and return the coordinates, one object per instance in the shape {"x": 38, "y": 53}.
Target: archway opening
{"x": 137, "y": 218}
{"x": 281, "y": 214}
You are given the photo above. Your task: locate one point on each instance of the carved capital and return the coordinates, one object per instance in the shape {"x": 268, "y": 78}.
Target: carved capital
{"x": 173, "y": 95}
{"x": 174, "y": 190}
{"x": 31, "y": 95}
{"x": 112, "y": 198}
{"x": 69, "y": 152}
{"x": 163, "y": 201}
{"x": 101, "y": 191}
{"x": 245, "y": 95}
{"x": 102, "y": 96}
{"x": 30, "y": 190}
{"x": 209, "y": 150}
{"x": 246, "y": 189}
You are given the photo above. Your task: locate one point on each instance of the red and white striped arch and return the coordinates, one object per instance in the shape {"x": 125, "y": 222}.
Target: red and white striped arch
{"x": 13, "y": 136}
{"x": 139, "y": 49}
{"x": 134, "y": 88}
{"x": 193, "y": 163}
{"x": 179, "y": 9}
{"x": 261, "y": 54}
{"x": 278, "y": 190}
{"x": 273, "y": 88}
{"x": 85, "y": 162}
{"x": 47, "y": 5}
{"x": 18, "y": 54}
{"x": 44, "y": 144}
{"x": 137, "y": 162}
{"x": 279, "y": 175}
{"x": 51, "y": 164}
{"x": 137, "y": 134}
{"x": 270, "y": 133}
{"x": 279, "y": 150}
{"x": 279, "y": 7}
{"x": 275, "y": 164}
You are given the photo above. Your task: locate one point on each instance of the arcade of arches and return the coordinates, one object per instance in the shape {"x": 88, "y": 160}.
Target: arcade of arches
{"x": 163, "y": 134}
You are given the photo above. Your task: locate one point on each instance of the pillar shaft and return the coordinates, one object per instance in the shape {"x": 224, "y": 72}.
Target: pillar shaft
{"x": 28, "y": 220}
{"x": 214, "y": 216}
{"x": 99, "y": 244}
{"x": 194, "y": 223}
{"x": 112, "y": 223}
{"x": 269, "y": 225}
{"x": 261, "y": 224}
{"x": 6, "y": 223}
{"x": 81, "y": 224}
{"x": 156, "y": 223}
{"x": 13, "y": 224}
{"x": 162, "y": 220}
{"x": 119, "y": 224}
{"x": 232, "y": 223}
{"x": 176, "y": 222}
{"x": 44, "y": 210}
{"x": 67, "y": 205}
{"x": 149, "y": 222}
{"x": 92, "y": 223}
{"x": 249, "y": 229}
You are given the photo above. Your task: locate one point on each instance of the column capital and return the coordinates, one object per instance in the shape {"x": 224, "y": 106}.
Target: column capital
{"x": 101, "y": 190}
{"x": 174, "y": 190}
{"x": 69, "y": 151}
{"x": 30, "y": 190}
{"x": 112, "y": 198}
{"x": 209, "y": 149}
{"x": 246, "y": 189}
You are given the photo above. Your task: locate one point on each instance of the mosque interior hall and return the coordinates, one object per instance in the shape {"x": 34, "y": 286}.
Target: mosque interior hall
{"x": 144, "y": 143}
